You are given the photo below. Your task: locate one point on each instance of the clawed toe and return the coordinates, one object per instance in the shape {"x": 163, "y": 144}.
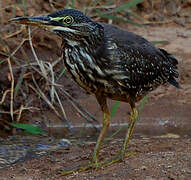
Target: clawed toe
{"x": 97, "y": 165}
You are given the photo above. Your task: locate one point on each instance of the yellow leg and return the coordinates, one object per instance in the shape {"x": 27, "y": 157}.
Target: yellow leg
{"x": 106, "y": 122}
{"x": 122, "y": 155}
{"x": 132, "y": 121}
{"x": 94, "y": 164}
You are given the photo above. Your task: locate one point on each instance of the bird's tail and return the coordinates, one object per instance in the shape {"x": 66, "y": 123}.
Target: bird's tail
{"x": 174, "y": 64}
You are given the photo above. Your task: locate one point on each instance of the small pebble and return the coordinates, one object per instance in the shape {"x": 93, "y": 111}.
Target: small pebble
{"x": 64, "y": 142}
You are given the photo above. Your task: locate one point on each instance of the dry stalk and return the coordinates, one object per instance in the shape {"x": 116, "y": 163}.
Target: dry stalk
{"x": 4, "y": 96}
{"x": 20, "y": 112}
{"x": 63, "y": 111}
{"x": 52, "y": 5}
{"x": 38, "y": 91}
{"x": 18, "y": 47}
{"x": 15, "y": 33}
{"x": 12, "y": 87}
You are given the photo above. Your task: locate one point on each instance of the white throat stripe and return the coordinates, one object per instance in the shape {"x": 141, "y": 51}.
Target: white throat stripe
{"x": 60, "y": 28}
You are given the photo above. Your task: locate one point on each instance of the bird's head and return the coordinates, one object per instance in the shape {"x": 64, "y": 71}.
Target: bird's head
{"x": 70, "y": 24}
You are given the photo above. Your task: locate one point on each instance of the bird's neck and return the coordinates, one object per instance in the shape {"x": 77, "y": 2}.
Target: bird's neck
{"x": 82, "y": 54}
{"x": 91, "y": 41}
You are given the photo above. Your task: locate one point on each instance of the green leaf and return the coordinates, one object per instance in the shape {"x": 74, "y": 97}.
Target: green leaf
{"x": 133, "y": 3}
{"x": 72, "y": 3}
{"x": 127, "y": 5}
{"x": 114, "y": 109}
{"x": 120, "y": 19}
{"x": 159, "y": 42}
{"x": 143, "y": 102}
{"x": 31, "y": 129}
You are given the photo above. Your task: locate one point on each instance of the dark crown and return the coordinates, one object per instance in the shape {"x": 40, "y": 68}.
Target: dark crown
{"x": 77, "y": 15}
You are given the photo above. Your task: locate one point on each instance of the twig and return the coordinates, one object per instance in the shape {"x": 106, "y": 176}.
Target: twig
{"x": 76, "y": 103}
{"x": 18, "y": 118}
{"x": 52, "y": 5}
{"x": 20, "y": 111}
{"x": 17, "y": 111}
{"x": 15, "y": 33}
{"x": 4, "y": 96}
{"x": 18, "y": 47}
{"x": 63, "y": 112}
{"x": 158, "y": 22}
{"x": 32, "y": 48}
{"x": 52, "y": 91}
{"x": 19, "y": 81}
{"x": 12, "y": 87}
{"x": 83, "y": 115}
{"x": 38, "y": 91}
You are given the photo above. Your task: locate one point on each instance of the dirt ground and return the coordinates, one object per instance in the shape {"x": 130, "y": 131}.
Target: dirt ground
{"x": 162, "y": 138}
{"x": 156, "y": 158}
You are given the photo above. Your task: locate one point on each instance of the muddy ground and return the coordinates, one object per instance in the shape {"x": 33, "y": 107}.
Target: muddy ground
{"x": 162, "y": 138}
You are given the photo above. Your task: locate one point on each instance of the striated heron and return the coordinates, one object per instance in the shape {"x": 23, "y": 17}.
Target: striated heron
{"x": 110, "y": 63}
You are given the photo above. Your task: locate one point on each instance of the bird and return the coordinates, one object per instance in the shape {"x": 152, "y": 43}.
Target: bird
{"x": 110, "y": 63}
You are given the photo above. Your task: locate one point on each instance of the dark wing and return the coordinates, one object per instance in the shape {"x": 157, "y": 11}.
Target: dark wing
{"x": 135, "y": 62}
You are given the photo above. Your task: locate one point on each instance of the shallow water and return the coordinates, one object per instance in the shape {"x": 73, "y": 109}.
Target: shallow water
{"x": 141, "y": 130}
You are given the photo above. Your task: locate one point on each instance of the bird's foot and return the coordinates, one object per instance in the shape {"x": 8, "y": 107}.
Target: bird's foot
{"x": 117, "y": 158}
{"x": 97, "y": 165}
{"x": 93, "y": 164}
{"x": 77, "y": 169}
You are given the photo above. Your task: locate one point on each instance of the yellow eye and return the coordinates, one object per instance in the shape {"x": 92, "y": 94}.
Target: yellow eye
{"x": 68, "y": 20}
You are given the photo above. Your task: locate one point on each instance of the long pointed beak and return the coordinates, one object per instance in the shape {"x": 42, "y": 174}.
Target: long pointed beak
{"x": 40, "y": 21}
